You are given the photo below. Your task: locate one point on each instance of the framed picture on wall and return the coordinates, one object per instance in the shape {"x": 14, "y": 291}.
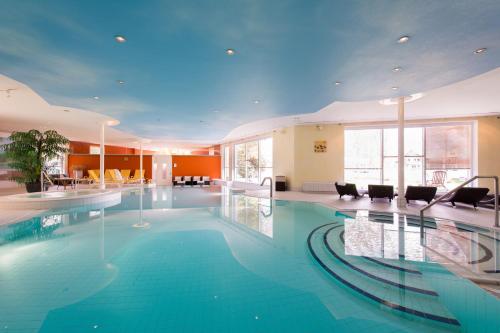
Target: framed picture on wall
{"x": 320, "y": 146}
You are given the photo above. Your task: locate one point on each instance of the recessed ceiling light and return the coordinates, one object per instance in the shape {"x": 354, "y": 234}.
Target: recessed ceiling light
{"x": 256, "y": 101}
{"x": 395, "y": 88}
{"x": 481, "y": 50}
{"x": 96, "y": 97}
{"x": 120, "y": 39}
{"x": 403, "y": 39}
{"x": 396, "y": 69}
{"x": 337, "y": 83}
{"x": 216, "y": 111}
{"x": 230, "y": 52}
{"x": 120, "y": 81}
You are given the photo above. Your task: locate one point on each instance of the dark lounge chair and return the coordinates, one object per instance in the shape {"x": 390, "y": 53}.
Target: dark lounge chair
{"x": 348, "y": 189}
{"x": 488, "y": 201}
{"x": 469, "y": 195}
{"x": 426, "y": 193}
{"x": 381, "y": 191}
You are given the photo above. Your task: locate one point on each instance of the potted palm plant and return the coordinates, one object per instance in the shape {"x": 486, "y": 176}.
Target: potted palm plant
{"x": 28, "y": 152}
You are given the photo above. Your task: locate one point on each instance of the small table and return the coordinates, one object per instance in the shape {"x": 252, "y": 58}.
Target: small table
{"x": 65, "y": 181}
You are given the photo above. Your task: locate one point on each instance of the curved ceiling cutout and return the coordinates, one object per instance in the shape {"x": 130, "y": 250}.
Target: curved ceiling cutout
{"x": 172, "y": 77}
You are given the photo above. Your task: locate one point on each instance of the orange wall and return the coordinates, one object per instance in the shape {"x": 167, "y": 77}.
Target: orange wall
{"x": 196, "y": 166}
{"x": 132, "y": 162}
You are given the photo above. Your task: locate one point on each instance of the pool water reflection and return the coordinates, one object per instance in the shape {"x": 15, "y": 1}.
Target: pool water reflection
{"x": 210, "y": 261}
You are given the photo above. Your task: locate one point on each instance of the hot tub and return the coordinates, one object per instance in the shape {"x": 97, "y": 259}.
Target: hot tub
{"x": 58, "y": 199}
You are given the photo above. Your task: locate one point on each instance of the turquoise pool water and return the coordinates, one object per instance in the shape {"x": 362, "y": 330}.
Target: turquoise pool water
{"x": 202, "y": 260}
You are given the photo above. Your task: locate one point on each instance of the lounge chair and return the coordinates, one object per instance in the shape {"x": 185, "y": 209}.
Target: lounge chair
{"x": 426, "y": 193}
{"x": 94, "y": 175}
{"x": 125, "y": 174}
{"x": 188, "y": 180}
{"x": 206, "y": 180}
{"x": 348, "y": 189}
{"x": 198, "y": 180}
{"x": 138, "y": 175}
{"x": 381, "y": 191}
{"x": 178, "y": 181}
{"x": 469, "y": 195}
{"x": 489, "y": 201}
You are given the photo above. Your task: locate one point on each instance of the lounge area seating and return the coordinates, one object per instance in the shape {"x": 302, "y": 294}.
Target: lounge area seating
{"x": 425, "y": 193}
{"x": 191, "y": 180}
{"x": 469, "y": 195}
{"x": 348, "y": 189}
{"x": 381, "y": 191}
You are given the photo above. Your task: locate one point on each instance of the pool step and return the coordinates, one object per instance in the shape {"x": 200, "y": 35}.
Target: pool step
{"x": 394, "y": 264}
{"x": 397, "y": 278}
{"x": 390, "y": 296}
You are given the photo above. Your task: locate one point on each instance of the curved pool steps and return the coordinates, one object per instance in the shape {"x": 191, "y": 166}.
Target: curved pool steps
{"x": 395, "y": 278}
{"x": 398, "y": 265}
{"x": 387, "y": 295}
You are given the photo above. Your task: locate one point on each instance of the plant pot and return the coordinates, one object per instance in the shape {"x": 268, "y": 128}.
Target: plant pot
{"x": 35, "y": 187}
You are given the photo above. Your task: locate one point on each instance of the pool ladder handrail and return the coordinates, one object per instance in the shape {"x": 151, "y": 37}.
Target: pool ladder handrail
{"x": 449, "y": 193}
{"x": 270, "y": 183}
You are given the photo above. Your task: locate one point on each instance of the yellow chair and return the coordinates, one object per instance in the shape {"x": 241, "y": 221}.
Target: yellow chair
{"x": 125, "y": 174}
{"x": 137, "y": 176}
{"x": 94, "y": 175}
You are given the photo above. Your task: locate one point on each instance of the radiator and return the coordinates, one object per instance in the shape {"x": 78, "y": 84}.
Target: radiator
{"x": 318, "y": 187}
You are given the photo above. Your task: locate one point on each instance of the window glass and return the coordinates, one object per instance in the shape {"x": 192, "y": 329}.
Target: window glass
{"x": 253, "y": 160}
{"x": 362, "y": 148}
{"x": 239, "y": 162}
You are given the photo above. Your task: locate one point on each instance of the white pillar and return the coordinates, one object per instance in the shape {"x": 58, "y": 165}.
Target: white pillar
{"x": 102, "y": 185}
{"x": 401, "y": 153}
{"x": 140, "y": 164}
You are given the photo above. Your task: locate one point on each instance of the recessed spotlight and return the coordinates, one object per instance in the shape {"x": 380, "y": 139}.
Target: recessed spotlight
{"x": 256, "y": 101}
{"x": 481, "y": 50}
{"x": 403, "y": 39}
{"x": 216, "y": 111}
{"x": 396, "y": 69}
{"x": 120, "y": 39}
{"x": 120, "y": 81}
{"x": 230, "y": 52}
{"x": 395, "y": 88}
{"x": 337, "y": 83}
{"x": 96, "y": 97}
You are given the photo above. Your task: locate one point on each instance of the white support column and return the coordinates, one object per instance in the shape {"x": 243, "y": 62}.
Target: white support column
{"x": 140, "y": 164}
{"x": 401, "y": 153}
{"x": 102, "y": 185}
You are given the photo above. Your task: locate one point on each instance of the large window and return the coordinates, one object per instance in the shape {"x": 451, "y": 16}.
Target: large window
{"x": 434, "y": 155}
{"x": 253, "y": 160}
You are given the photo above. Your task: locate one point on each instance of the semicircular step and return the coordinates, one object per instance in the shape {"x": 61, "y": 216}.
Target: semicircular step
{"x": 399, "y": 279}
{"x": 398, "y": 265}
{"x": 390, "y": 297}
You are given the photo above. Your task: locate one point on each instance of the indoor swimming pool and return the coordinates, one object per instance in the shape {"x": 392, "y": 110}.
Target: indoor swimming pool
{"x": 205, "y": 260}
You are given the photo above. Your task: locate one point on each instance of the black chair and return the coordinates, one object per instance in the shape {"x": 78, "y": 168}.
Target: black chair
{"x": 488, "y": 201}
{"x": 426, "y": 193}
{"x": 381, "y": 191}
{"x": 348, "y": 189}
{"x": 469, "y": 195}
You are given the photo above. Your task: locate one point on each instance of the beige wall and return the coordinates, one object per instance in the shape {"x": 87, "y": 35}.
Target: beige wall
{"x": 295, "y": 158}
{"x": 311, "y": 166}
{"x": 488, "y": 148}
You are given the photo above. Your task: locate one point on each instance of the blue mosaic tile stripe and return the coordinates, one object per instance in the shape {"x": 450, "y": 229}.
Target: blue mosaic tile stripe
{"x": 391, "y": 305}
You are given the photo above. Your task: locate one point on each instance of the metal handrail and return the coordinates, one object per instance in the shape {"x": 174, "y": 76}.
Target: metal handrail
{"x": 271, "y": 183}
{"x": 495, "y": 179}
